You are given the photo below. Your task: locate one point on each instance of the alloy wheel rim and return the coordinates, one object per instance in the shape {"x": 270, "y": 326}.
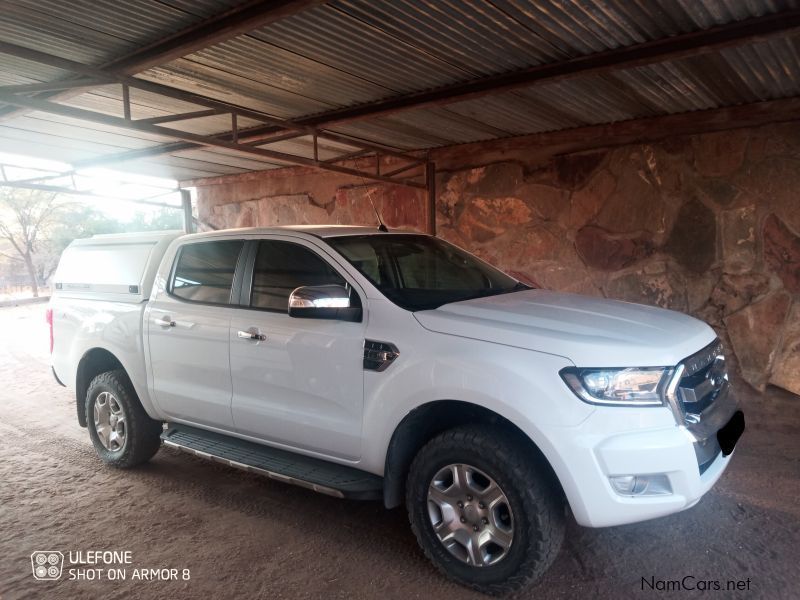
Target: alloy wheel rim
{"x": 110, "y": 422}
{"x": 470, "y": 515}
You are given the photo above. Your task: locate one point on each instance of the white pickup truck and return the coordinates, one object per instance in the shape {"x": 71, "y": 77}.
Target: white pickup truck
{"x": 371, "y": 364}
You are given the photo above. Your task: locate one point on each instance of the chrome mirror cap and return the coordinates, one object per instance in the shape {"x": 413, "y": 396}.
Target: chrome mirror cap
{"x": 320, "y": 296}
{"x": 324, "y": 302}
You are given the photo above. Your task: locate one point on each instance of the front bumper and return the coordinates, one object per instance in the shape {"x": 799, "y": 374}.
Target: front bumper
{"x": 618, "y": 441}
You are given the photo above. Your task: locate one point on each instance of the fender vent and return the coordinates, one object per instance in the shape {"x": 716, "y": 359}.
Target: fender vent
{"x": 379, "y": 355}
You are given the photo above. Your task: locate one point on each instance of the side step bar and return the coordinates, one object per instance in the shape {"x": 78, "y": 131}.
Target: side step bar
{"x": 312, "y": 473}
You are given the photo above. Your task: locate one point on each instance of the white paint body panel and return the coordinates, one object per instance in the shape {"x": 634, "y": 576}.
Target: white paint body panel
{"x": 630, "y": 335}
{"x": 95, "y": 307}
{"x": 303, "y": 388}
{"x": 189, "y": 364}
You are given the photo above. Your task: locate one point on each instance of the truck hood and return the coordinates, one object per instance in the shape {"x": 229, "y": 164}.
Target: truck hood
{"x": 591, "y": 332}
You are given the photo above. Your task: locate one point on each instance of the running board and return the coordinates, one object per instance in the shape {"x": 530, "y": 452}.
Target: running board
{"x": 312, "y": 473}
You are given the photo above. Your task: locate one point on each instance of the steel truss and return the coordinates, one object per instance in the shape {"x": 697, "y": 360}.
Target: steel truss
{"x": 51, "y": 181}
{"x": 19, "y": 96}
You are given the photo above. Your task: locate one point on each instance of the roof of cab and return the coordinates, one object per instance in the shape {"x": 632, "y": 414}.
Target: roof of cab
{"x": 321, "y": 231}
{"x": 127, "y": 238}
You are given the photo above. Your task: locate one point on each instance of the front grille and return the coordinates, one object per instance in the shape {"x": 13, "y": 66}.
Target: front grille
{"x": 703, "y": 379}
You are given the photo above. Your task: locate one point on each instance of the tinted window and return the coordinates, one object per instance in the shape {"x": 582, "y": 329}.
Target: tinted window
{"x": 419, "y": 272}
{"x": 204, "y": 272}
{"x": 281, "y": 267}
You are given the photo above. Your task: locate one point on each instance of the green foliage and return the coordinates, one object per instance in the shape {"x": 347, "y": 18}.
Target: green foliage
{"x": 161, "y": 220}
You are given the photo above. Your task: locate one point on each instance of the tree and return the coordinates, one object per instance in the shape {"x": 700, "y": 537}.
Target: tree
{"x": 26, "y": 217}
{"x": 159, "y": 220}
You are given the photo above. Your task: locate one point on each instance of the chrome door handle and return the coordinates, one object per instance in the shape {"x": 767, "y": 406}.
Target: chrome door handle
{"x": 164, "y": 322}
{"x": 252, "y": 335}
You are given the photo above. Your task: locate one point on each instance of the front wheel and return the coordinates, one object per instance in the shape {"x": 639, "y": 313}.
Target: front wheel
{"x": 121, "y": 431}
{"x": 485, "y": 513}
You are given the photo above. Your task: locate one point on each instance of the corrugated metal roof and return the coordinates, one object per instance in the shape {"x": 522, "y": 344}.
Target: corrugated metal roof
{"x": 90, "y": 31}
{"x": 580, "y": 28}
{"x": 326, "y": 35}
{"x": 512, "y": 112}
{"x": 202, "y": 8}
{"x": 17, "y": 71}
{"x": 237, "y": 89}
{"x": 472, "y": 35}
{"x": 278, "y": 68}
{"x": 769, "y": 69}
{"x": 349, "y": 52}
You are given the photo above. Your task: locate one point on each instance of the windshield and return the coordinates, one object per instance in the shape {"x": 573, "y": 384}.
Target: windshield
{"x": 419, "y": 272}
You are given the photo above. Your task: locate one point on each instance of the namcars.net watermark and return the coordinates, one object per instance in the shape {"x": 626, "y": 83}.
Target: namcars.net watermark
{"x": 98, "y": 565}
{"x": 691, "y": 583}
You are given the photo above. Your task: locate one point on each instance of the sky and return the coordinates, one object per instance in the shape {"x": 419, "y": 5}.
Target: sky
{"x": 112, "y": 185}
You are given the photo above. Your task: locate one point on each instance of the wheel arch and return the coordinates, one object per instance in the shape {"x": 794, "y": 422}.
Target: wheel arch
{"x": 432, "y": 418}
{"x": 93, "y": 362}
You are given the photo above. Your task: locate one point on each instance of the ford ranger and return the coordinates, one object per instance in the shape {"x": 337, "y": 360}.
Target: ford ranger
{"x": 373, "y": 364}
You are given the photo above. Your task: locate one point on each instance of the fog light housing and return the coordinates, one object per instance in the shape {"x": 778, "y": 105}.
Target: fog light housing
{"x": 641, "y": 485}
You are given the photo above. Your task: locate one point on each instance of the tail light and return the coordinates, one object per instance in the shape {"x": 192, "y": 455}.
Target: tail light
{"x": 49, "y": 317}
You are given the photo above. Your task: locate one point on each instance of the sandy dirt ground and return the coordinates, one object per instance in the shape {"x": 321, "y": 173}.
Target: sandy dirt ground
{"x": 241, "y": 536}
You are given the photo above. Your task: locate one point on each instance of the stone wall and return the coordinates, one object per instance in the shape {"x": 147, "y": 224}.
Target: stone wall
{"x": 704, "y": 224}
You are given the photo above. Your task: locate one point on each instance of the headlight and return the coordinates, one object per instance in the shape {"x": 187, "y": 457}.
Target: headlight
{"x": 631, "y": 386}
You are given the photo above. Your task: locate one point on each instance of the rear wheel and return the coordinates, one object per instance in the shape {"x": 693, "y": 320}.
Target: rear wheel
{"x": 483, "y": 510}
{"x": 121, "y": 431}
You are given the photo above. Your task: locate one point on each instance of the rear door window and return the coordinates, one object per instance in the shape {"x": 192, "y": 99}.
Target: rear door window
{"x": 204, "y": 272}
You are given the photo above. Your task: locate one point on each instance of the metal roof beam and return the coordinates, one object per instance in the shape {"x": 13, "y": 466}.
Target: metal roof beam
{"x": 236, "y": 21}
{"x": 104, "y": 119}
{"x": 58, "y": 189}
{"x": 179, "y": 117}
{"x": 276, "y": 125}
{"x": 350, "y": 156}
{"x": 541, "y": 147}
{"x": 228, "y": 24}
{"x": 672, "y": 48}
{"x": 244, "y": 137}
{"x": 274, "y": 139}
{"x": 66, "y": 84}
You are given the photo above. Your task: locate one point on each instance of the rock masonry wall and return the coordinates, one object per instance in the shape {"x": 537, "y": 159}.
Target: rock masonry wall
{"x": 704, "y": 224}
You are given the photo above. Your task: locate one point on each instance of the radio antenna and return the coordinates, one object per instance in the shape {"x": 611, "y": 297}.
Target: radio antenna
{"x": 381, "y": 225}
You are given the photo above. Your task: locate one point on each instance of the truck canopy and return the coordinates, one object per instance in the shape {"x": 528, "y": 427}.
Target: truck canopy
{"x": 115, "y": 267}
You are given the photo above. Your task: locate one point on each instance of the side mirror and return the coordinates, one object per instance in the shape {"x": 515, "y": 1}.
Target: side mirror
{"x": 323, "y": 302}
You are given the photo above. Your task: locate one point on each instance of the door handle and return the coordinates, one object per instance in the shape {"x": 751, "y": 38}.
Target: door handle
{"x": 252, "y": 334}
{"x": 164, "y": 321}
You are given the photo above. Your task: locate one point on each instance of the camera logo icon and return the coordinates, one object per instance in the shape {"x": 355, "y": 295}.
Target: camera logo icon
{"x": 47, "y": 564}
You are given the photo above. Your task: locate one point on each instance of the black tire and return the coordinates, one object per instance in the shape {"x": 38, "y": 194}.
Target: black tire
{"x": 142, "y": 434}
{"x": 533, "y": 497}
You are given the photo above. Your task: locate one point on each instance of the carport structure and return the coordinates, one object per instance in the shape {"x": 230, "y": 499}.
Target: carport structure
{"x": 642, "y": 150}
{"x": 647, "y": 151}
{"x": 366, "y": 88}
